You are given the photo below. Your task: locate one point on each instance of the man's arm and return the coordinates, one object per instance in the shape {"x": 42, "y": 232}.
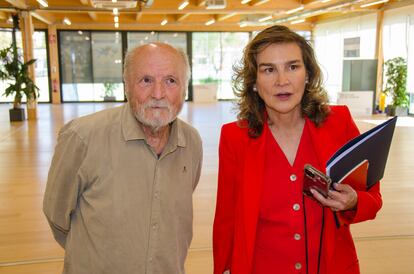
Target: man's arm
{"x": 63, "y": 183}
{"x": 199, "y": 162}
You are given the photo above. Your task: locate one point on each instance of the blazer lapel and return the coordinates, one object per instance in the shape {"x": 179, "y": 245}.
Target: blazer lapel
{"x": 323, "y": 140}
{"x": 252, "y": 189}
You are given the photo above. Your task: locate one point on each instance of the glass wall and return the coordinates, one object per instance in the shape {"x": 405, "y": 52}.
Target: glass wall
{"x": 5, "y": 41}
{"x": 398, "y": 41}
{"x": 177, "y": 39}
{"x": 214, "y": 54}
{"x": 107, "y": 66}
{"x": 91, "y": 66}
{"x": 41, "y": 65}
{"x": 91, "y": 61}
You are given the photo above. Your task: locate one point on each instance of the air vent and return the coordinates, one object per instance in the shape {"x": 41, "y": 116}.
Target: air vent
{"x": 120, "y": 4}
{"x": 216, "y": 4}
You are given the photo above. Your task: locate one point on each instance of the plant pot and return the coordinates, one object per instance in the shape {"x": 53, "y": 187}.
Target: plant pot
{"x": 17, "y": 114}
{"x": 401, "y": 111}
{"x": 109, "y": 98}
{"x": 396, "y": 111}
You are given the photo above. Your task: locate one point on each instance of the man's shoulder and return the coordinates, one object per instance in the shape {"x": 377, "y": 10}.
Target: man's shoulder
{"x": 189, "y": 131}
{"x": 87, "y": 124}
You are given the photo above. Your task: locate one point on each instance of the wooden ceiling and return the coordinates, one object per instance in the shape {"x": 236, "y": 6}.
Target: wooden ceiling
{"x": 149, "y": 14}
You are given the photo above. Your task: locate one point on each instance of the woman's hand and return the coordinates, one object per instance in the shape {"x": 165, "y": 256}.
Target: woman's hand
{"x": 344, "y": 197}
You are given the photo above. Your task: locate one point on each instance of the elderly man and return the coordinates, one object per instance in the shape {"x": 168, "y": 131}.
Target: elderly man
{"x": 119, "y": 190}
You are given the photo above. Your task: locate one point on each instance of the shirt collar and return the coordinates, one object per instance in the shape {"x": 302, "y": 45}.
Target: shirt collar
{"x": 132, "y": 130}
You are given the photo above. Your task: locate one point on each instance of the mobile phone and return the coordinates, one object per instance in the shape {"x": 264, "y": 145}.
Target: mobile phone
{"x": 315, "y": 179}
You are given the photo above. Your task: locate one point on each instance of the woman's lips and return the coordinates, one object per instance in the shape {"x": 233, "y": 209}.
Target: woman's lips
{"x": 283, "y": 96}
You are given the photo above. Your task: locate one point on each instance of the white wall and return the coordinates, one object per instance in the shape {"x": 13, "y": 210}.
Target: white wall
{"x": 329, "y": 47}
{"x": 398, "y": 40}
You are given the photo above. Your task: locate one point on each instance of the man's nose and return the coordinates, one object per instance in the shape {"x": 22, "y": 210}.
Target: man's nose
{"x": 158, "y": 92}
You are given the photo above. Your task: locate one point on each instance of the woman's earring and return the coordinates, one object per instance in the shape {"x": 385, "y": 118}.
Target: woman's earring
{"x": 254, "y": 88}
{"x": 306, "y": 80}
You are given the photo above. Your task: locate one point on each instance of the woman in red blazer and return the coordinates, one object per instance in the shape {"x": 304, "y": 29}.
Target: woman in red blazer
{"x": 263, "y": 223}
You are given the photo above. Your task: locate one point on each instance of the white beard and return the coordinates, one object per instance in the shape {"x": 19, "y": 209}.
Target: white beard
{"x": 156, "y": 118}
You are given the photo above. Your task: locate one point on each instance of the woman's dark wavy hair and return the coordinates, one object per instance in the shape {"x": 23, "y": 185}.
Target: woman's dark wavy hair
{"x": 314, "y": 103}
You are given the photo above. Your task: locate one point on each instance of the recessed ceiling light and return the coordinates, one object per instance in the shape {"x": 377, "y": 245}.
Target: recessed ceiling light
{"x": 67, "y": 21}
{"x": 43, "y": 3}
{"x": 210, "y": 22}
{"x": 183, "y": 4}
{"x": 295, "y": 10}
{"x": 297, "y": 21}
{"x": 265, "y": 18}
{"x": 373, "y": 3}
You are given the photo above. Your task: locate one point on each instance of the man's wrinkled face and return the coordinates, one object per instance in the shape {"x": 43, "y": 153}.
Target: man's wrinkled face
{"x": 156, "y": 85}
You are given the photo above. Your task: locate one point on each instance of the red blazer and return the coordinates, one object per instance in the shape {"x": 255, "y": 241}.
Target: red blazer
{"x": 241, "y": 163}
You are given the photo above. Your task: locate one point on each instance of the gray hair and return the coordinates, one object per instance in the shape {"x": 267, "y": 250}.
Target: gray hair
{"x": 129, "y": 57}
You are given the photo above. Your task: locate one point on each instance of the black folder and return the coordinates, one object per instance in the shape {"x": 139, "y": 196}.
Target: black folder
{"x": 361, "y": 162}
{"x": 368, "y": 151}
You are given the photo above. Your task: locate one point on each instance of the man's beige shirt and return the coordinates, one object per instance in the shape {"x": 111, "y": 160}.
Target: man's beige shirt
{"x": 113, "y": 204}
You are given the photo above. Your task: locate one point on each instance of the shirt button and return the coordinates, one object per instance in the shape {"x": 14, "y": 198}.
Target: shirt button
{"x": 154, "y": 226}
{"x": 296, "y": 207}
{"x": 297, "y": 236}
{"x": 298, "y": 266}
{"x": 293, "y": 177}
{"x": 150, "y": 259}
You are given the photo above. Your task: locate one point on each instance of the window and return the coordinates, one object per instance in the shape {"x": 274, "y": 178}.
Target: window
{"x": 351, "y": 47}
{"x": 91, "y": 66}
{"x": 41, "y": 65}
{"x": 76, "y": 66}
{"x": 214, "y": 54}
{"x": 176, "y": 39}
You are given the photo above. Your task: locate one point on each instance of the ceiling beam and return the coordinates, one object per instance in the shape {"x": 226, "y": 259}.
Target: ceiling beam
{"x": 3, "y": 16}
{"x": 93, "y": 16}
{"x": 257, "y": 2}
{"x": 85, "y": 2}
{"x": 225, "y": 16}
{"x": 20, "y": 4}
{"x": 181, "y": 17}
{"x": 45, "y": 17}
{"x": 246, "y": 10}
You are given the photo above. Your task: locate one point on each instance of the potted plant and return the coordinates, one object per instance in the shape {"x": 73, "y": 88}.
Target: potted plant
{"x": 396, "y": 75}
{"x": 109, "y": 91}
{"x": 16, "y": 73}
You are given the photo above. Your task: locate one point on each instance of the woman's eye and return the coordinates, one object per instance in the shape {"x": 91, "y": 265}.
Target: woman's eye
{"x": 293, "y": 67}
{"x": 269, "y": 69}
